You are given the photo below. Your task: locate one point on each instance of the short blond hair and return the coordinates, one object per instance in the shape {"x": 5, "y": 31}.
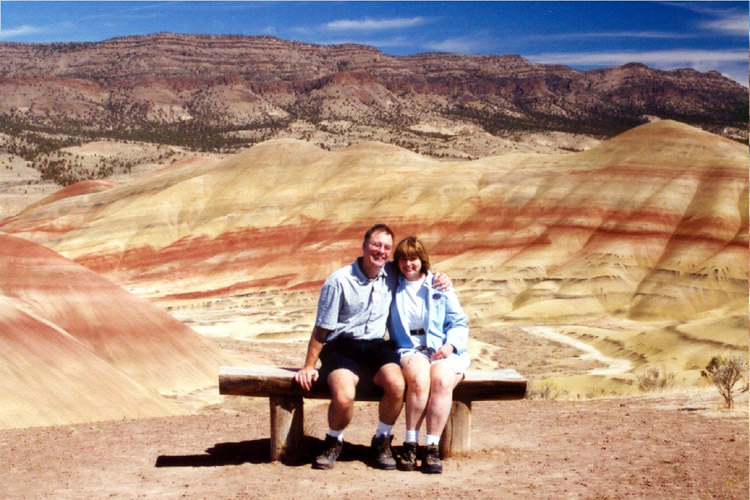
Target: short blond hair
{"x": 412, "y": 247}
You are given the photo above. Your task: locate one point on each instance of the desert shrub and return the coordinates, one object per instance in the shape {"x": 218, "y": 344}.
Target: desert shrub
{"x": 547, "y": 390}
{"x": 724, "y": 373}
{"x": 655, "y": 379}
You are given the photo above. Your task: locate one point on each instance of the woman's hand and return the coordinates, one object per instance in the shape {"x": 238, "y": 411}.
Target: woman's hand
{"x": 442, "y": 353}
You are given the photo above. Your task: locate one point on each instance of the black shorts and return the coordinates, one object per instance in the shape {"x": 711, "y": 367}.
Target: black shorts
{"x": 362, "y": 357}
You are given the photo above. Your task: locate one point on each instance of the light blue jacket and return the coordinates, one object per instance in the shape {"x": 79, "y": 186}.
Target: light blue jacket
{"x": 447, "y": 323}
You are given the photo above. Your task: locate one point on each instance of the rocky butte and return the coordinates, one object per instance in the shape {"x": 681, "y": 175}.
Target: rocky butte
{"x": 637, "y": 246}
{"x": 229, "y": 92}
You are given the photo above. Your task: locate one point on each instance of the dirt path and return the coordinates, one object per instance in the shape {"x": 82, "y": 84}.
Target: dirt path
{"x": 615, "y": 366}
{"x": 616, "y": 449}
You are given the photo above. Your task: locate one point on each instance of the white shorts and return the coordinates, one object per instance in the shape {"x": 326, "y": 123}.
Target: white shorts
{"x": 457, "y": 363}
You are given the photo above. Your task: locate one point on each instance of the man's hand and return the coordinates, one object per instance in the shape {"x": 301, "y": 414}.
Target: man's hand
{"x": 308, "y": 374}
{"x": 306, "y": 377}
{"x": 441, "y": 281}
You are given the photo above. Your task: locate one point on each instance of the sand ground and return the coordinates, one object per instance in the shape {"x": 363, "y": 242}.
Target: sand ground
{"x": 636, "y": 448}
{"x": 676, "y": 445}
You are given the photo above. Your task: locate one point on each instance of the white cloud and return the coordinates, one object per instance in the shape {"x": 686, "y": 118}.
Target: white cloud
{"x": 459, "y": 45}
{"x": 614, "y": 34}
{"x": 728, "y": 21}
{"x": 735, "y": 24}
{"x": 20, "y": 31}
{"x": 375, "y": 24}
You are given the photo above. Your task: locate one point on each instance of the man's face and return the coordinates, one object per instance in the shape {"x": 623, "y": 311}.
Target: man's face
{"x": 377, "y": 250}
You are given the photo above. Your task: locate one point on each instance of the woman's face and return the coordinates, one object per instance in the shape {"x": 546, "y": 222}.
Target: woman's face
{"x": 410, "y": 267}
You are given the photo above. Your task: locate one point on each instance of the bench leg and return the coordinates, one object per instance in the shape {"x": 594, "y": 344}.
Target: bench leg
{"x": 287, "y": 417}
{"x": 456, "y": 438}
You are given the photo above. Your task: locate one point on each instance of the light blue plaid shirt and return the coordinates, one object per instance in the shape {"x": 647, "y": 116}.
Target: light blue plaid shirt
{"x": 354, "y": 306}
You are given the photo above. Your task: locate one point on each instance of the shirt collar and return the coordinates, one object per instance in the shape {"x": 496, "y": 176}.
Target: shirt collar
{"x": 362, "y": 277}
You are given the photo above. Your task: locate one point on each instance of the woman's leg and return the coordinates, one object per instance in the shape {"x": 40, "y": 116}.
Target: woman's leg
{"x": 416, "y": 371}
{"x": 442, "y": 382}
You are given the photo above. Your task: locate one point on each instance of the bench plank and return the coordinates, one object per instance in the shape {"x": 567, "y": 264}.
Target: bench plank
{"x": 264, "y": 381}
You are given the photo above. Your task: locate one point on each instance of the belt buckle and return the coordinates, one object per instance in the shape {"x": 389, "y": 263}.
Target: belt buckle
{"x": 427, "y": 351}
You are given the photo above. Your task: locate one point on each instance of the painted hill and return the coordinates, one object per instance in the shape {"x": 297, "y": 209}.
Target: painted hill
{"x": 638, "y": 245}
{"x": 76, "y": 347}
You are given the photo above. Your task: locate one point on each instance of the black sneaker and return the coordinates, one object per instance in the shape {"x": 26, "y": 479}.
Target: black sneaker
{"x": 381, "y": 446}
{"x": 409, "y": 456}
{"x": 431, "y": 463}
{"x": 331, "y": 450}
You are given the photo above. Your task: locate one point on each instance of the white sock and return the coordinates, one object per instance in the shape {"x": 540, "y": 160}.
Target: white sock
{"x": 337, "y": 434}
{"x": 383, "y": 429}
{"x": 412, "y": 436}
{"x": 430, "y": 440}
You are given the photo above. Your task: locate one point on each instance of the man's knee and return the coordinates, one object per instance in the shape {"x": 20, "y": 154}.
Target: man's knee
{"x": 391, "y": 380}
{"x": 343, "y": 387}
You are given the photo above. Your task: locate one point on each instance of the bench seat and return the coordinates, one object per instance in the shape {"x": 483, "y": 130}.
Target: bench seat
{"x": 286, "y": 401}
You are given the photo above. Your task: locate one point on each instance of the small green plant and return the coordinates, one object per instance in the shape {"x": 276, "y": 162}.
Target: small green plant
{"x": 724, "y": 373}
{"x": 655, "y": 379}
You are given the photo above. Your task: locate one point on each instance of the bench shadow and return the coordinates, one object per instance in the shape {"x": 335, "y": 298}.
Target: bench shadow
{"x": 222, "y": 454}
{"x": 258, "y": 452}
{"x": 349, "y": 453}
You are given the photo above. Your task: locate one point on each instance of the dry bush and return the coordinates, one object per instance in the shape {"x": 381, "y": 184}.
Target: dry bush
{"x": 724, "y": 373}
{"x": 655, "y": 379}
{"x": 547, "y": 390}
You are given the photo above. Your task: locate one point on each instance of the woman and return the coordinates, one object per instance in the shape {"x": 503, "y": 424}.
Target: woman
{"x": 431, "y": 332}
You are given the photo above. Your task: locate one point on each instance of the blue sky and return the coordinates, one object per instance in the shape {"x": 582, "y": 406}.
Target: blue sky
{"x": 584, "y": 35}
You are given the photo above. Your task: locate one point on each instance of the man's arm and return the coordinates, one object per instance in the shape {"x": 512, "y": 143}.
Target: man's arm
{"x": 309, "y": 374}
{"x": 441, "y": 281}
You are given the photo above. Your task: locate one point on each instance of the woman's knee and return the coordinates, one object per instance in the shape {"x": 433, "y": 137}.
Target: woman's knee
{"x": 442, "y": 381}
{"x": 419, "y": 382}
{"x": 416, "y": 371}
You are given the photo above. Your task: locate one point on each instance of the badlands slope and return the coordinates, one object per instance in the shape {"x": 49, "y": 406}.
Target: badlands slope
{"x": 75, "y": 347}
{"x": 638, "y": 246}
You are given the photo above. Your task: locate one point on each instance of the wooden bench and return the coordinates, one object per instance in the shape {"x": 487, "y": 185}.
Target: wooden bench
{"x": 286, "y": 401}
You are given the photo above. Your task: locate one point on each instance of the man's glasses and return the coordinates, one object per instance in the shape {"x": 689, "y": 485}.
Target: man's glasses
{"x": 380, "y": 246}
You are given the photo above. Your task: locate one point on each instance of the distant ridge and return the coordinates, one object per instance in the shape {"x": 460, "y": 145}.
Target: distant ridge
{"x": 224, "y": 92}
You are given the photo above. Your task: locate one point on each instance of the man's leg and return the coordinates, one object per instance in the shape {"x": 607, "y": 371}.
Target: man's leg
{"x": 342, "y": 384}
{"x": 390, "y": 379}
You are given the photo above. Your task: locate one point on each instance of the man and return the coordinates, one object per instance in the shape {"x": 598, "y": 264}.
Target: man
{"x": 348, "y": 338}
